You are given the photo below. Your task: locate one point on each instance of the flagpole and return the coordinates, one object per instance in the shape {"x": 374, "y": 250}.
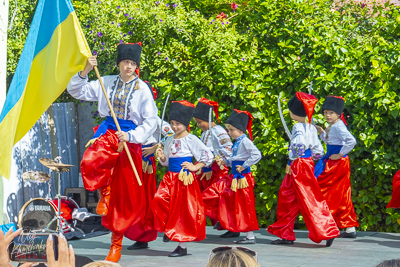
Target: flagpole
{"x": 117, "y": 124}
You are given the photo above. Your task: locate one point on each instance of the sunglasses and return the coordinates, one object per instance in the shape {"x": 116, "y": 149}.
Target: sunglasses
{"x": 245, "y": 250}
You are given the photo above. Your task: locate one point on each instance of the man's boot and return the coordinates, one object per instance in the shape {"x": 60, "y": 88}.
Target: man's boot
{"x": 115, "y": 249}
{"x": 102, "y": 206}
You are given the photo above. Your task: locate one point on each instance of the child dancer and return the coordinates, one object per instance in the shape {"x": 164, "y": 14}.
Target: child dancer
{"x": 299, "y": 191}
{"x": 237, "y": 211}
{"x": 333, "y": 170}
{"x": 219, "y": 140}
{"x": 143, "y": 231}
{"x": 177, "y": 206}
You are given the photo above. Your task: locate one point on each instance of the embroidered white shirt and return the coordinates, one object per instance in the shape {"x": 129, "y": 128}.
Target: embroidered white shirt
{"x": 305, "y": 136}
{"x": 188, "y": 146}
{"x": 129, "y": 104}
{"x": 221, "y": 140}
{"x": 340, "y": 135}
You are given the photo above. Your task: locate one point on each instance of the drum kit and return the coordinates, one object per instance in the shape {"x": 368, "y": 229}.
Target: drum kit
{"x": 47, "y": 214}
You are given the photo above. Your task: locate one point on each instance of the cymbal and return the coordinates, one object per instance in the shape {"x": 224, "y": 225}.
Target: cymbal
{"x": 51, "y": 164}
{"x": 36, "y": 176}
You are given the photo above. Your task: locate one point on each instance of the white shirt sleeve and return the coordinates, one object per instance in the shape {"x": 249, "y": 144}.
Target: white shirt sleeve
{"x": 347, "y": 138}
{"x": 255, "y": 154}
{"x": 80, "y": 88}
{"x": 223, "y": 142}
{"x": 199, "y": 150}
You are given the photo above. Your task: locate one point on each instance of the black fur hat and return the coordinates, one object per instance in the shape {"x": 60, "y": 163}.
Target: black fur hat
{"x": 202, "y": 110}
{"x": 302, "y": 105}
{"x": 334, "y": 103}
{"x": 129, "y": 51}
{"x": 242, "y": 120}
{"x": 181, "y": 111}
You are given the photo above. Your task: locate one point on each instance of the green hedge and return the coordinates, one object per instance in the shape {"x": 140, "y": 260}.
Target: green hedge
{"x": 265, "y": 48}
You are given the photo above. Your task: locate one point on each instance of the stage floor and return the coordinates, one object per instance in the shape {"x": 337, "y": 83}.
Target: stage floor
{"x": 368, "y": 249}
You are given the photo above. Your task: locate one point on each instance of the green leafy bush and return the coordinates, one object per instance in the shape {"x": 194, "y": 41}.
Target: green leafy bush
{"x": 245, "y": 60}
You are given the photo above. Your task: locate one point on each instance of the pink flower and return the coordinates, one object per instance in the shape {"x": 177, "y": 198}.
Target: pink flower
{"x": 234, "y": 6}
{"x": 298, "y": 58}
{"x": 221, "y": 16}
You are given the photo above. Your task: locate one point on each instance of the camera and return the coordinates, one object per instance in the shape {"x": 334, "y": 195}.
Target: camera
{"x": 31, "y": 247}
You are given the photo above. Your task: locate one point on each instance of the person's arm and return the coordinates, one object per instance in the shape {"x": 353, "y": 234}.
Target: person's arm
{"x": 255, "y": 154}
{"x": 200, "y": 152}
{"x": 297, "y": 147}
{"x": 148, "y": 112}
{"x": 348, "y": 139}
{"x": 79, "y": 86}
{"x": 224, "y": 143}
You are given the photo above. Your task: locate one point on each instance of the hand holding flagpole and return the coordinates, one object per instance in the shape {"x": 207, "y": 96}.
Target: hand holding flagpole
{"x": 118, "y": 127}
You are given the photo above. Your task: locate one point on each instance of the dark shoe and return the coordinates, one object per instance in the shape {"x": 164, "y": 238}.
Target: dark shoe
{"x": 229, "y": 234}
{"x": 165, "y": 238}
{"x": 178, "y": 252}
{"x": 329, "y": 242}
{"x": 282, "y": 242}
{"x": 246, "y": 241}
{"x": 138, "y": 245}
{"x": 217, "y": 226}
{"x": 348, "y": 235}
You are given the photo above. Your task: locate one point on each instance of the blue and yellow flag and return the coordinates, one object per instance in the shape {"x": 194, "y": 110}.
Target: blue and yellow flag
{"x": 54, "y": 51}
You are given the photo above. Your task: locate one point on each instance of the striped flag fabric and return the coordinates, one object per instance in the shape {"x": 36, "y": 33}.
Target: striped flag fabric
{"x": 55, "y": 50}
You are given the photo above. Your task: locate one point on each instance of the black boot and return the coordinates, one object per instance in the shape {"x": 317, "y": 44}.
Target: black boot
{"x": 229, "y": 234}
{"x": 349, "y": 235}
{"x": 329, "y": 242}
{"x": 217, "y": 225}
{"x": 138, "y": 245}
{"x": 165, "y": 238}
{"x": 282, "y": 242}
{"x": 178, "y": 252}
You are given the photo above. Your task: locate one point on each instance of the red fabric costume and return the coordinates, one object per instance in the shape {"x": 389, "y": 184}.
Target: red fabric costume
{"x": 179, "y": 209}
{"x": 300, "y": 192}
{"x": 143, "y": 231}
{"x": 237, "y": 209}
{"x": 211, "y": 197}
{"x": 336, "y": 188}
{"x": 395, "y": 201}
{"x": 102, "y": 165}
{"x": 216, "y": 175}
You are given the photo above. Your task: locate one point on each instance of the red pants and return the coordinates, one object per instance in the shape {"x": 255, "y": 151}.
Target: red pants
{"x": 395, "y": 201}
{"x": 102, "y": 165}
{"x": 300, "y": 192}
{"x": 179, "y": 210}
{"x": 143, "y": 231}
{"x": 237, "y": 210}
{"x": 217, "y": 174}
{"x": 212, "y": 195}
{"x": 336, "y": 188}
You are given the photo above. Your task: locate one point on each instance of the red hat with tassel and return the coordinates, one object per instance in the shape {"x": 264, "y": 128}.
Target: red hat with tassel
{"x": 302, "y": 105}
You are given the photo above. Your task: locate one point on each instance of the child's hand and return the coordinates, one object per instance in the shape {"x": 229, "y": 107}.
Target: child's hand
{"x": 90, "y": 64}
{"x": 122, "y": 136}
{"x": 147, "y": 151}
{"x": 319, "y": 129}
{"x": 220, "y": 161}
{"x": 191, "y": 167}
{"x": 239, "y": 168}
{"x": 335, "y": 157}
{"x": 160, "y": 154}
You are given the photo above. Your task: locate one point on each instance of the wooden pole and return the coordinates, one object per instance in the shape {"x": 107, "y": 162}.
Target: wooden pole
{"x": 118, "y": 127}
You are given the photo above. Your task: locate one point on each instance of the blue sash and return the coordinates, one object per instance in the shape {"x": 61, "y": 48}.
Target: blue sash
{"x": 174, "y": 164}
{"x": 236, "y": 174}
{"x": 207, "y": 169}
{"x": 307, "y": 154}
{"x": 147, "y": 159}
{"x": 108, "y": 123}
{"x": 321, "y": 164}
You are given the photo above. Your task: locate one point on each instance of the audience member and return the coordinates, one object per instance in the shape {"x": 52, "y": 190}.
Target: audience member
{"x": 233, "y": 257}
{"x": 102, "y": 264}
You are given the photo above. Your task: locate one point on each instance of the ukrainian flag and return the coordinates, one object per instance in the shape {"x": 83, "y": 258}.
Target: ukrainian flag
{"x": 54, "y": 51}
